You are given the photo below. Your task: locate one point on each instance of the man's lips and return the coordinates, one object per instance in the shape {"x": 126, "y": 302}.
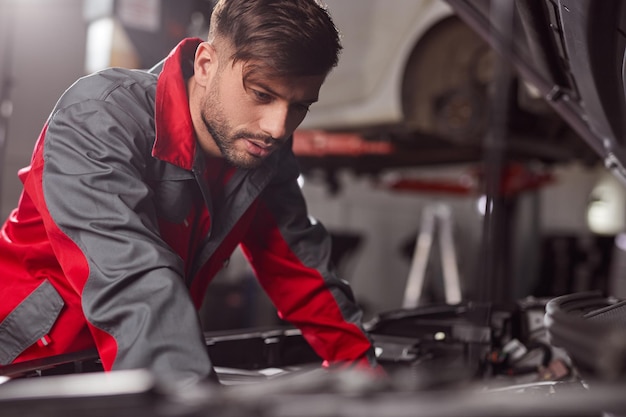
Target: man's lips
{"x": 257, "y": 149}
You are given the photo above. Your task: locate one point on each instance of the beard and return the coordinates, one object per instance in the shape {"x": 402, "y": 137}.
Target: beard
{"x": 225, "y": 137}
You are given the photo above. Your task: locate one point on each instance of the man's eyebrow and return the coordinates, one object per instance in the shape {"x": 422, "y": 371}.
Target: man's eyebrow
{"x": 274, "y": 93}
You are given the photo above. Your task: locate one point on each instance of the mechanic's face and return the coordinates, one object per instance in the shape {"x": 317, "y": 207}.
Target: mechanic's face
{"x": 244, "y": 121}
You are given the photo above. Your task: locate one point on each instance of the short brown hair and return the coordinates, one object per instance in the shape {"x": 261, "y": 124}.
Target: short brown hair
{"x": 288, "y": 37}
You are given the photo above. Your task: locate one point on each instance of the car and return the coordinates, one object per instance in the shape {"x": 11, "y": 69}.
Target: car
{"x": 380, "y": 47}
{"x": 572, "y": 53}
{"x": 416, "y": 77}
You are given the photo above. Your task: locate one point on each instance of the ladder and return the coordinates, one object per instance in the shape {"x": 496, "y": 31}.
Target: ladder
{"x": 433, "y": 216}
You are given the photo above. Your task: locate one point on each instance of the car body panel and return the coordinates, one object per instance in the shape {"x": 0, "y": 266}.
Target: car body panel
{"x": 574, "y": 57}
{"x": 378, "y": 37}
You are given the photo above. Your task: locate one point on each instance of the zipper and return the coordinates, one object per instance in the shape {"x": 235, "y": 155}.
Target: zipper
{"x": 206, "y": 197}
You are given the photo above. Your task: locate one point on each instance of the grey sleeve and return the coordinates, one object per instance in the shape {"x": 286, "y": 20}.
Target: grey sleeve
{"x": 94, "y": 187}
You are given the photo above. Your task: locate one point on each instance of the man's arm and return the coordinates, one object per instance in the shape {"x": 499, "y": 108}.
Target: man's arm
{"x": 291, "y": 255}
{"x": 88, "y": 178}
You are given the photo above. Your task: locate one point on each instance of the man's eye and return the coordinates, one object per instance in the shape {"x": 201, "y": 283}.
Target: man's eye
{"x": 261, "y": 96}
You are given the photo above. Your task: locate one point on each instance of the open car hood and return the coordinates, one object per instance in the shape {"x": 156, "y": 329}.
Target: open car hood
{"x": 572, "y": 52}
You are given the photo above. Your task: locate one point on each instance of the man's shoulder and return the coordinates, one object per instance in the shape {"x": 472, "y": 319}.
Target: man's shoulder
{"x": 114, "y": 85}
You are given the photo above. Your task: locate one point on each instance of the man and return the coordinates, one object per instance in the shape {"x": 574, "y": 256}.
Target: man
{"x": 142, "y": 184}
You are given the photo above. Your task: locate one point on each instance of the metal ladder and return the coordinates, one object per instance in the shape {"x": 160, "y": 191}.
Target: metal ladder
{"x": 433, "y": 216}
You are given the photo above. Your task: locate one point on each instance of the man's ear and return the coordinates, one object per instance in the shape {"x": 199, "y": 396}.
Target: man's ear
{"x": 205, "y": 63}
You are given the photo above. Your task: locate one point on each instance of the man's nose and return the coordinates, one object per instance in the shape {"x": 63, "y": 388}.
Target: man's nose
{"x": 275, "y": 121}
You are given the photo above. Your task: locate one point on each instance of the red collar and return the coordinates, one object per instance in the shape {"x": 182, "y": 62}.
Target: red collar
{"x": 175, "y": 137}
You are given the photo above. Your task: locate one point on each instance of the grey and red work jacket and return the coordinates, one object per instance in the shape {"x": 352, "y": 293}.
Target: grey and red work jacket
{"x": 116, "y": 235}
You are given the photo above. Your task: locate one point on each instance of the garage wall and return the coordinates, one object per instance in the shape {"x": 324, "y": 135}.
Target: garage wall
{"x": 47, "y": 55}
{"x": 388, "y": 223}
{"x": 388, "y": 220}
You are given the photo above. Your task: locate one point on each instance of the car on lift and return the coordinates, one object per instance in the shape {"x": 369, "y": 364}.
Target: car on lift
{"x": 414, "y": 75}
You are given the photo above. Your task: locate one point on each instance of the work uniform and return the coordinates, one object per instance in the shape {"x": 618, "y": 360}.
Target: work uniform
{"x": 118, "y": 233}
